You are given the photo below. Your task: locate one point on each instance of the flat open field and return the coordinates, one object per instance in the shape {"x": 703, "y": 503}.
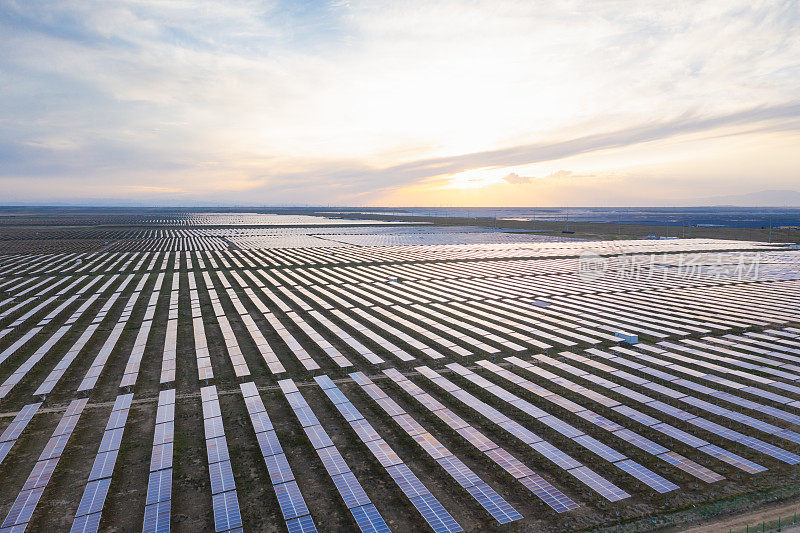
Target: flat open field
{"x": 262, "y": 372}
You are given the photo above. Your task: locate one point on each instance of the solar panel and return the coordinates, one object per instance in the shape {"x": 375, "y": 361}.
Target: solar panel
{"x": 598, "y": 448}
{"x": 350, "y": 489}
{"x": 409, "y": 425}
{"x": 226, "y": 511}
{"x": 303, "y": 524}
{"x": 159, "y": 486}
{"x": 383, "y": 453}
{"x": 103, "y": 465}
{"x": 640, "y": 442}
{"x": 647, "y": 476}
{"x": 333, "y": 461}
{"x": 633, "y": 414}
{"x": 682, "y": 436}
{"x": 406, "y": 480}
{"x": 82, "y": 524}
{"x": 336, "y": 396}
{"x": 221, "y": 477}
{"x": 364, "y": 430}
{"x": 290, "y": 500}
{"x": 217, "y": 449}
{"x": 349, "y": 411}
{"x": 93, "y": 497}
{"x": 599, "y": 484}
{"x": 732, "y": 459}
{"x": 156, "y": 517}
{"x": 261, "y": 422}
{"x": 436, "y": 515}
{"x": 369, "y": 519}
{"x": 690, "y": 467}
{"x": 500, "y": 509}
{"x": 555, "y": 455}
{"x": 459, "y": 471}
{"x": 278, "y": 468}
{"x": 557, "y": 500}
{"x": 599, "y": 420}
{"x": 509, "y": 463}
{"x": 771, "y": 450}
{"x": 306, "y": 417}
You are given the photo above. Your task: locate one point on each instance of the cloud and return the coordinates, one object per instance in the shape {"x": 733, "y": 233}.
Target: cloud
{"x": 560, "y": 174}
{"x": 328, "y": 101}
{"x": 516, "y": 179}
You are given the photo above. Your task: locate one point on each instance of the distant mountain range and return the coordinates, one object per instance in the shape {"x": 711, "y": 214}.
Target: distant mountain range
{"x": 772, "y": 198}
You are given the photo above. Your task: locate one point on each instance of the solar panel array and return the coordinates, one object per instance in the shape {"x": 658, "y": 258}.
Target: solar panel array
{"x": 31, "y": 492}
{"x": 12, "y": 432}
{"x": 709, "y": 387}
{"x": 290, "y": 500}
{"x": 87, "y": 517}
{"x": 550, "y": 495}
{"x": 426, "y": 503}
{"x": 492, "y": 502}
{"x": 366, "y": 516}
{"x": 598, "y": 420}
{"x": 159, "y": 487}
{"x": 227, "y": 516}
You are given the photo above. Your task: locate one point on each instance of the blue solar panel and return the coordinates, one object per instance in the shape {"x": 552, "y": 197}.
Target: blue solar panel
{"x": 369, "y": 519}
{"x": 213, "y": 427}
{"x": 406, "y": 480}
{"x": 500, "y": 509}
{"x": 597, "y": 447}
{"x": 164, "y": 433}
{"x": 436, "y": 515}
{"x": 333, "y": 461}
{"x": 217, "y": 450}
{"x": 103, "y": 465}
{"x": 680, "y": 435}
{"x": 383, "y": 452}
{"x": 268, "y": 442}
{"x": 111, "y": 440}
{"x": 599, "y": 484}
{"x": 290, "y": 500}
{"x": 555, "y": 455}
{"x": 93, "y": 497}
{"x": 349, "y": 411}
{"x": 226, "y": 511}
{"x": 640, "y": 442}
{"x": 647, "y": 476}
{"x": 156, "y": 518}
{"x": 279, "y": 469}
{"x": 557, "y": 500}
{"x": 159, "y": 487}
{"x": 221, "y": 477}
{"x": 303, "y": 524}
{"x": 459, "y": 471}
{"x": 261, "y": 422}
{"x": 336, "y": 396}
{"x": 162, "y": 457}
{"x": 350, "y": 489}
{"x": 82, "y": 524}
{"x": 364, "y": 430}
{"x": 306, "y": 416}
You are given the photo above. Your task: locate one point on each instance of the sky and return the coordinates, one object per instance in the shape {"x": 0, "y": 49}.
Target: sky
{"x": 407, "y": 103}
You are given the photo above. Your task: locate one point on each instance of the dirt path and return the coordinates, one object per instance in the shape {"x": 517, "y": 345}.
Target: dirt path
{"x": 767, "y": 513}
